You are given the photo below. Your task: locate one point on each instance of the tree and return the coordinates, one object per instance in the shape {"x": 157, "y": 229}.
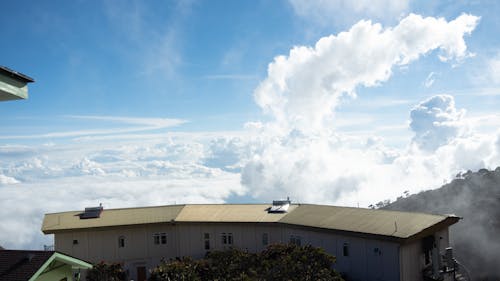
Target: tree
{"x": 292, "y": 262}
{"x": 276, "y": 262}
{"x": 176, "y": 269}
{"x": 106, "y": 272}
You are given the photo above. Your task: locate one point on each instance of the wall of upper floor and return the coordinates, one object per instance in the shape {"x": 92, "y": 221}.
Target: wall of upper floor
{"x": 142, "y": 246}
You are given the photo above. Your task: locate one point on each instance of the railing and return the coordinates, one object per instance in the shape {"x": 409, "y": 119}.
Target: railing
{"x": 461, "y": 272}
{"x": 48, "y": 247}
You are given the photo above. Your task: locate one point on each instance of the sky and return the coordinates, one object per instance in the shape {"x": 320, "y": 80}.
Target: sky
{"x": 141, "y": 103}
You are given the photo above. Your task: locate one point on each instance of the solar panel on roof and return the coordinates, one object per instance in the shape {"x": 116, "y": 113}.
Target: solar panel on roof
{"x": 279, "y": 206}
{"x": 91, "y": 213}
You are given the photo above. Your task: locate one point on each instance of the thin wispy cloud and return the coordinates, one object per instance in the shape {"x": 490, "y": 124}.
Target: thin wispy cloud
{"x": 326, "y": 12}
{"x": 138, "y": 125}
{"x": 429, "y": 81}
{"x": 230, "y": 77}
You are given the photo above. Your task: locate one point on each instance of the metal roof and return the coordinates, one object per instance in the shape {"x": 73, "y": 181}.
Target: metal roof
{"x": 110, "y": 217}
{"x": 229, "y": 213}
{"x": 378, "y": 222}
{"x": 16, "y": 75}
{"x": 393, "y": 224}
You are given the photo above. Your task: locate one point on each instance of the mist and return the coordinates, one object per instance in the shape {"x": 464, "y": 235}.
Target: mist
{"x": 476, "y": 198}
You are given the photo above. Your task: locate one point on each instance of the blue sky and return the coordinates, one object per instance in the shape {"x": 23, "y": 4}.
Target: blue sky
{"x": 198, "y": 61}
{"x": 336, "y": 102}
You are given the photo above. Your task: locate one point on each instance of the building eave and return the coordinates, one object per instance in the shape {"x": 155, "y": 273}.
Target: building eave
{"x": 16, "y": 75}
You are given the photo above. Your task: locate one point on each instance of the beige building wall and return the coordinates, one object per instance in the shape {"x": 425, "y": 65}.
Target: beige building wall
{"x": 412, "y": 258}
{"x": 366, "y": 259}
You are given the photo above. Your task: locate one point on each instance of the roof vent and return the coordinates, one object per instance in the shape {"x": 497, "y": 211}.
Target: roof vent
{"x": 91, "y": 212}
{"x": 279, "y": 206}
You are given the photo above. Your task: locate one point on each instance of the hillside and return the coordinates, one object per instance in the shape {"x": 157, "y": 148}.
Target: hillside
{"x": 474, "y": 196}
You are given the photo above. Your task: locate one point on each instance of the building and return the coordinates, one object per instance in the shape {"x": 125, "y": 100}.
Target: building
{"x": 369, "y": 244}
{"x": 13, "y": 84}
{"x": 17, "y": 265}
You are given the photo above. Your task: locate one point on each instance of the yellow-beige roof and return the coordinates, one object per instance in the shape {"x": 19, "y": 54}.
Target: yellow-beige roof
{"x": 110, "y": 217}
{"x": 395, "y": 224}
{"x": 377, "y": 222}
{"x": 229, "y": 213}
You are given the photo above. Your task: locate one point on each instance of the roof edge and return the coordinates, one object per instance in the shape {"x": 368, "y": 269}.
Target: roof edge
{"x": 61, "y": 257}
{"x": 448, "y": 221}
{"x": 17, "y": 75}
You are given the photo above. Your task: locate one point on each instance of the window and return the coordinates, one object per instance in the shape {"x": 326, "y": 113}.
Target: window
{"x": 265, "y": 239}
{"x": 345, "y": 250}
{"x": 121, "y": 242}
{"x": 295, "y": 239}
{"x": 160, "y": 238}
{"x": 227, "y": 238}
{"x": 75, "y": 242}
{"x": 206, "y": 237}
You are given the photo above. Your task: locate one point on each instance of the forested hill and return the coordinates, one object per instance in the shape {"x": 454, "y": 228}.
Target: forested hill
{"x": 474, "y": 196}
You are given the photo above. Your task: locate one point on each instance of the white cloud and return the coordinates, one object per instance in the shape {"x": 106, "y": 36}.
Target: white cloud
{"x": 493, "y": 69}
{"x": 135, "y": 125}
{"x": 429, "y": 81}
{"x": 5, "y": 180}
{"x": 303, "y": 88}
{"x": 304, "y": 158}
{"x": 119, "y": 173}
{"x": 436, "y": 121}
{"x": 344, "y": 11}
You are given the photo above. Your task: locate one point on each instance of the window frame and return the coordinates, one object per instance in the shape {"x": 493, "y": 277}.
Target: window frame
{"x": 345, "y": 249}
{"x": 160, "y": 238}
{"x": 227, "y": 238}
{"x": 121, "y": 241}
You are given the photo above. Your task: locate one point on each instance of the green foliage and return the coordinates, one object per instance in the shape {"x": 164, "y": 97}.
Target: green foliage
{"x": 176, "y": 269}
{"x": 291, "y": 262}
{"x": 106, "y": 272}
{"x": 276, "y": 262}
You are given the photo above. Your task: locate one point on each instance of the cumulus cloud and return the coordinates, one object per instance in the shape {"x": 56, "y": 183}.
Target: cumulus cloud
{"x": 303, "y": 156}
{"x": 436, "y": 121}
{"x": 302, "y": 89}
{"x": 343, "y": 11}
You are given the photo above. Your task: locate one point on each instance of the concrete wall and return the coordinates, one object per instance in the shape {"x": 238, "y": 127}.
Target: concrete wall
{"x": 367, "y": 259}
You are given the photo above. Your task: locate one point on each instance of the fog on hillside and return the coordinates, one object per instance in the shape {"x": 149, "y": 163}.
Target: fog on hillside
{"x": 475, "y": 238}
